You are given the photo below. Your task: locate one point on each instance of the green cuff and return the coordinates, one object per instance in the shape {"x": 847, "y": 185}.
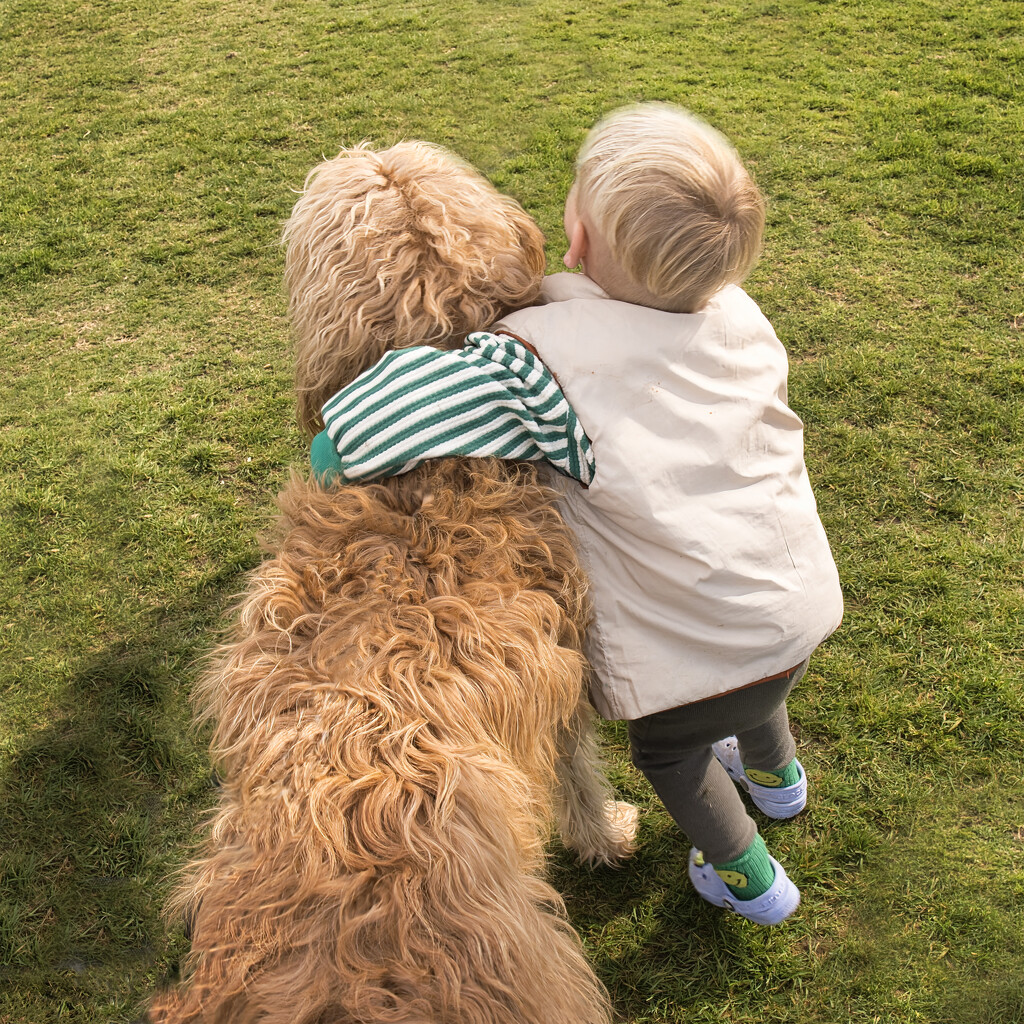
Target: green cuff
{"x": 325, "y": 459}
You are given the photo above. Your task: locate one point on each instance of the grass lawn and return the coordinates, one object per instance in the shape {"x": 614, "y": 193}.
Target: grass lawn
{"x": 151, "y": 153}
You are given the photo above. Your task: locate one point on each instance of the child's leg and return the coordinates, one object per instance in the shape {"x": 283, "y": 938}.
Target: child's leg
{"x": 762, "y": 761}
{"x": 769, "y": 746}
{"x": 673, "y": 749}
{"x": 675, "y": 755}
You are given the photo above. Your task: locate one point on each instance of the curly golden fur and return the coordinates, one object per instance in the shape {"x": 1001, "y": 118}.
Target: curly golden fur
{"x": 399, "y": 713}
{"x": 402, "y": 246}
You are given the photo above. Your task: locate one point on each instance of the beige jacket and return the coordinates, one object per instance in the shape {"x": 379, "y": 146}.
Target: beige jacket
{"x": 709, "y": 566}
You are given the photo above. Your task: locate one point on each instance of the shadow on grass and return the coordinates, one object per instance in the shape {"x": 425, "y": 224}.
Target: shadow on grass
{"x": 94, "y": 809}
{"x": 98, "y": 808}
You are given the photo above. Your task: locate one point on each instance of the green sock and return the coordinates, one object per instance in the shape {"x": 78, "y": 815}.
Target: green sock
{"x": 751, "y": 874}
{"x": 777, "y": 778}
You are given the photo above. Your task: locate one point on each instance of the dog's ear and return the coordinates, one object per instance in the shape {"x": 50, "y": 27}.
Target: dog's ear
{"x": 331, "y": 276}
{"x": 520, "y": 272}
{"x": 506, "y": 270}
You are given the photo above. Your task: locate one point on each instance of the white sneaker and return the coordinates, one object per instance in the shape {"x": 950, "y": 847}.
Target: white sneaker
{"x": 784, "y": 802}
{"x": 772, "y": 907}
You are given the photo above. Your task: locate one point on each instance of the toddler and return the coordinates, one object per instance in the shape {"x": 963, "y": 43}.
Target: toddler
{"x": 711, "y": 575}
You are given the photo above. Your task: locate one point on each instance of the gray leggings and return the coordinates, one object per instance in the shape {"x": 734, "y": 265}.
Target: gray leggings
{"x": 673, "y": 749}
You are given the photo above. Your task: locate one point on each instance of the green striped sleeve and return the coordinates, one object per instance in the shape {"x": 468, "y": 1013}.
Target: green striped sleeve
{"x": 493, "y": 397}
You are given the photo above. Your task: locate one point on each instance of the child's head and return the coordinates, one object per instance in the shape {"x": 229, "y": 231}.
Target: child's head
{"x": 397, "y": 247}
{"x": 663, "y": 213}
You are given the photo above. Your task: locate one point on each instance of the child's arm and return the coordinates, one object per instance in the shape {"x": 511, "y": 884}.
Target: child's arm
{"x": 492, "y": 398}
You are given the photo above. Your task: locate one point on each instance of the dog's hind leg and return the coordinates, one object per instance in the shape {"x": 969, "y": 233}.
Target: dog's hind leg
{"x": 598, "y": 828}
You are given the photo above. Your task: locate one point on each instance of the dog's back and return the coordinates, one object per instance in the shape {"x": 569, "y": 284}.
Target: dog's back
{"x": 387, "y": 718}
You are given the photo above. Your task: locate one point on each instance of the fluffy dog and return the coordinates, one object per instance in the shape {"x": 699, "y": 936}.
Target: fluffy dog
{"x": 400, "y": 711}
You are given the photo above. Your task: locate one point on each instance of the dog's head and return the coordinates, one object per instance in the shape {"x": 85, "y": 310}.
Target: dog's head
{"x": 397, "y": 247}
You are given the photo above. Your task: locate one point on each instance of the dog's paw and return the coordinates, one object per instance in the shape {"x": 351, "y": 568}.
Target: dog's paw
{"x": 623, "y": 821}
{"x": 612, "y": 839}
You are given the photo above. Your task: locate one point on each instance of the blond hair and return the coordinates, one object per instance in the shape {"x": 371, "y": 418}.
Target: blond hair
{"x": 397, "y": 247}
{"x": 678, "y": 211}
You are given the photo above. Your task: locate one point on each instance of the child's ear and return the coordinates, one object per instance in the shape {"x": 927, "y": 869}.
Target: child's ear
{"x": 577, "y": 246}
